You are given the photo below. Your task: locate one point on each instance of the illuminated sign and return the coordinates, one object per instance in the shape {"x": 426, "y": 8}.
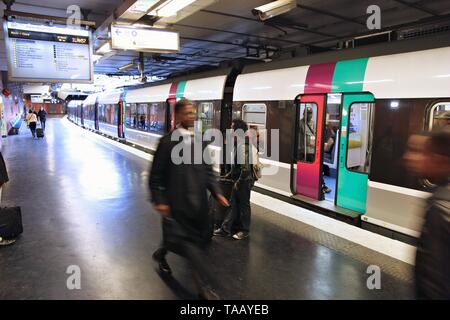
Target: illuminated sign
{"x": 144, "y": 39}
{"x": 41, "y": 53}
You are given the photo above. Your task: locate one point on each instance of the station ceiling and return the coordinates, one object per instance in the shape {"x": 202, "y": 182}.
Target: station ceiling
{"x": 227, "y": 30}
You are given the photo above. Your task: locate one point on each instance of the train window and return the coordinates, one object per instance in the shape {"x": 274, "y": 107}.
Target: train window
{"x": 205, "y": 114}
{"x": 306, "y": 151}
{"x": 360, "y": 131}
{"x": 439, "y": 115}
{"x": 157, "y": 117}
{"x": 141, "y": 116}
{"x": 255, "y": 114}
{"x": 131, "y": 111}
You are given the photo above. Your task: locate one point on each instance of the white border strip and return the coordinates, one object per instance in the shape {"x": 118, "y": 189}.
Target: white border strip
{"x": 144, "y": 133}
{"x": 276, "y": 190}
{"x": 402, "y": 190}
{"x": 393, "y": 248}
{"x": 276, "y": 163}
{"x": 93, "y": 136}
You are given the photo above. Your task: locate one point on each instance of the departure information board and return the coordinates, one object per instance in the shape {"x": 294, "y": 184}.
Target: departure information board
{"x": 41, "y": 53}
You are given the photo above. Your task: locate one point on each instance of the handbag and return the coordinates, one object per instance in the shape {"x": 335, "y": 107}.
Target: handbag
{"x": 10, "y": 222}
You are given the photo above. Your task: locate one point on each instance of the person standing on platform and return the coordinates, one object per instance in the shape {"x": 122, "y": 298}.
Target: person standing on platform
{"x": 428, "y": 157}
{"x": 237, "y": 222}
{"x": 178, "y": 187}
{"x": 32, "y": 121}
{"x": 42, "y": 115}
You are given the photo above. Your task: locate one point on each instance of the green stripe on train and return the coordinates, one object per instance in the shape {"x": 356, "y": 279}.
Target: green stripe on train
{"x": 349, "y": 75}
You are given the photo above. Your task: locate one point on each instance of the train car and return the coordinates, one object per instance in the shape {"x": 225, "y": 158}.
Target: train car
{"x": 74, "y": 109}
{"x": 142, "y": 115}
{"x": 368, "y": 107}
{"x": 109, "y": 113}
{"x": 148, "y": 113}
{"x": 89, "y": 112}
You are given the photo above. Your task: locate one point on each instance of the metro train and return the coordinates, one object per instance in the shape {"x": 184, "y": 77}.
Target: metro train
{"x": 368, "y": 106}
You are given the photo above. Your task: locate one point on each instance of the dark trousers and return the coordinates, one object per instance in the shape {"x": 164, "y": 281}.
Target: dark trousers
{"x": 32, "y": 126}
{"x": 43, "y": 124}
{"x": 239, "y": 217}
{"x": 178, "y": 241}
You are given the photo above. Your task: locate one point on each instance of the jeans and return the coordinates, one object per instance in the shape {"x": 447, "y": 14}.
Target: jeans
{"x": 239, "y": 217}
{"x": 43, "y": 124}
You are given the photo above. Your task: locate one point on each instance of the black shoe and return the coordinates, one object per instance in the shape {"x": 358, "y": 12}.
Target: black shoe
{"x": 221, "y": 233}
{"x": 162, "y": 263}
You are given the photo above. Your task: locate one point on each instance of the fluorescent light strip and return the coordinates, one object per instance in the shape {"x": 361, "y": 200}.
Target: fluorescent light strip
{"x": 171, "y": 8}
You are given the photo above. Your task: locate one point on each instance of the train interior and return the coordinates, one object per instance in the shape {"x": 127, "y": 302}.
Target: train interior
{"x": 331, "y": 144}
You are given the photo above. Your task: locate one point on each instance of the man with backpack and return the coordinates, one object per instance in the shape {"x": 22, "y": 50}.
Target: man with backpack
{"x": 245, "y": 170}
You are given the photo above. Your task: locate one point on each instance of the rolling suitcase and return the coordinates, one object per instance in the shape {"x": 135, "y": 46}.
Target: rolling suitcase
{"x": 10, "y": 222}
{"x": 39, "y": 132}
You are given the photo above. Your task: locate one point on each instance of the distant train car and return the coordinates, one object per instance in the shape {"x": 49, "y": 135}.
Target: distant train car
{"x": 89, "y": 112}
{"x": 149, "y": 110}
{"x": 74, "y": 111}
{"x": 333, "y": 131}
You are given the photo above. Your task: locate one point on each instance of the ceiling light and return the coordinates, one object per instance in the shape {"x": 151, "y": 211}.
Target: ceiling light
{"x": 104, "y": 48}
{"x": 142, "y": 6}
{"x": 274, "y": 8}
{"x": 170, "y": 8}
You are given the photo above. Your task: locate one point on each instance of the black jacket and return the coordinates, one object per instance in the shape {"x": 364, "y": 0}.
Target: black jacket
{"x": 242, "y": 168}
{"x": 433, "y": 251}
{"x": 183, "y": 187}
{"x": 42, "y": 115}
{"x": 3, "y": 172}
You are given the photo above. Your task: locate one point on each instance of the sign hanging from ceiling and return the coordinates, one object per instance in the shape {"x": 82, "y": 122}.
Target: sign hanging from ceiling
{"x": 43, "y": 53}
{"x": 144, "y": 39}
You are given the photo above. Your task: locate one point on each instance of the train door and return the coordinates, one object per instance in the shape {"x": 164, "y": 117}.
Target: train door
{"x": 355, "y": 149}
{"x": 310, "y": 110}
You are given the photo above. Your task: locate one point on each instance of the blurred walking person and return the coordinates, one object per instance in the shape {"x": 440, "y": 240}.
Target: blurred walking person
{"x": 179, "y": 194}
{"x": 428, "y": 157}
{"x": 32, "y": 121}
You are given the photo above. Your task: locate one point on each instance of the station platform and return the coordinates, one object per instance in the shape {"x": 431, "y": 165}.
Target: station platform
{"x": 85, "y": 202}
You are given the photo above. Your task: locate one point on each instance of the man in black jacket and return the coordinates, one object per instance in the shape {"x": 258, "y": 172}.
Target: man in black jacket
{"x": 42, "y": 115}
{"x": 428, "y": 157}
{"x": 179, "y": 181}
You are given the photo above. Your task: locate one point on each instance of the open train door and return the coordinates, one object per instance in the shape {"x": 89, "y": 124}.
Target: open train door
{"x": 310, "y": 116}
{"x": 355, "y": 149}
